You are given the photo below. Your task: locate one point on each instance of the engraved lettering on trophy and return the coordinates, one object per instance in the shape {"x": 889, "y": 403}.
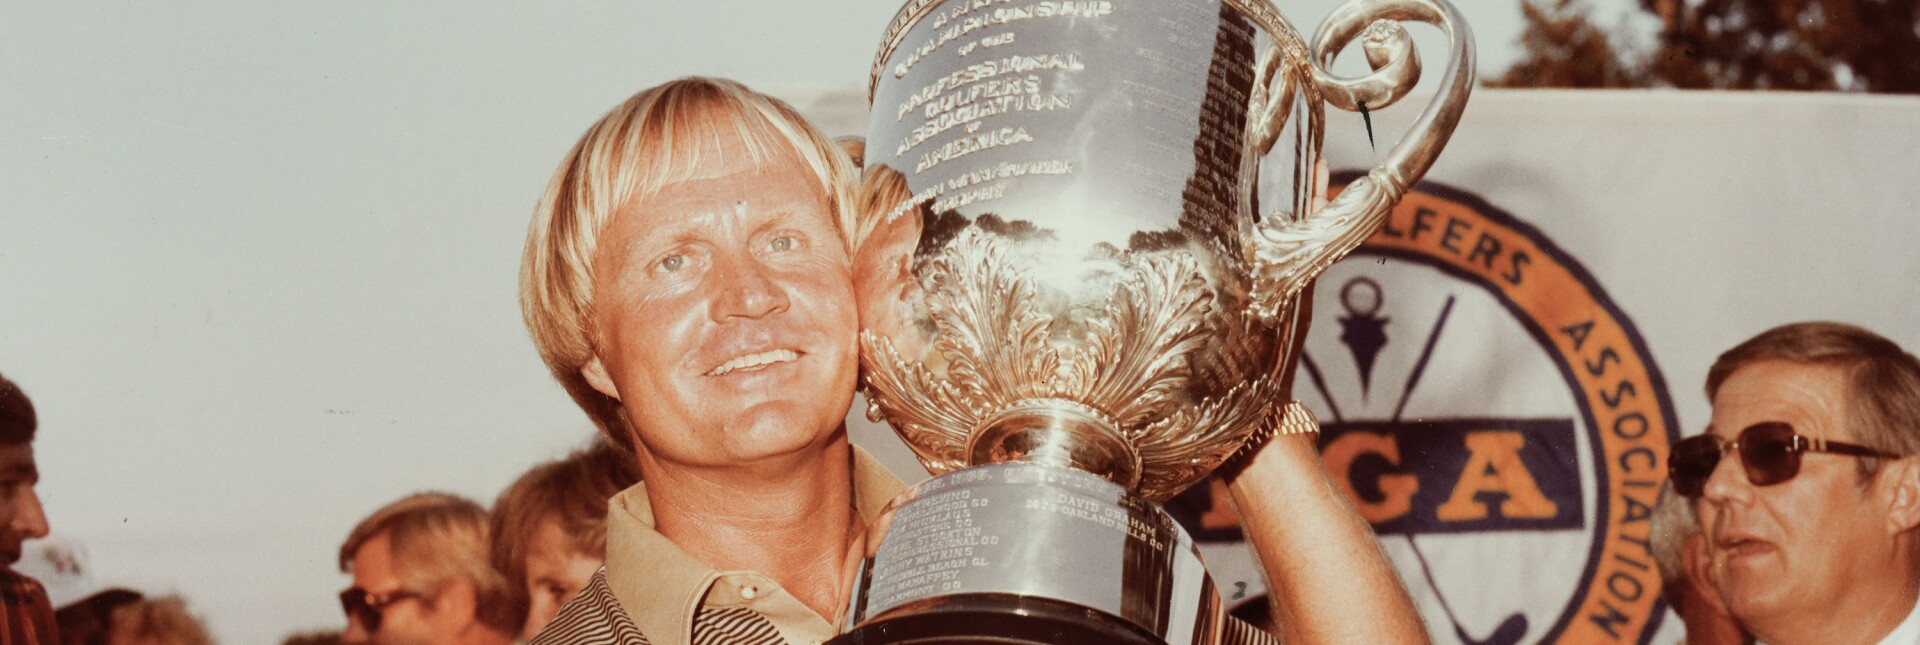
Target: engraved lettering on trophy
{"x": 1009, "y": 136}
{"x": 967, "y": 107}
{"x": 984, "y": 70}
{"x": 1081, "y": 9}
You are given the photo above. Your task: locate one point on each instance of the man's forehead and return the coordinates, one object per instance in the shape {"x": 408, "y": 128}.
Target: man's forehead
{"x": 1797, "y": 393}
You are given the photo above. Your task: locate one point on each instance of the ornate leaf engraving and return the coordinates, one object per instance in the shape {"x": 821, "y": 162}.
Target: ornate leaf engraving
{"x": 1131, "y": 360}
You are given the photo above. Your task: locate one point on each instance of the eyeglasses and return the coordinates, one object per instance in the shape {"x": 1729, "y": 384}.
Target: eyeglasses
{"x": 1769, "y": 450}
{"x": 367, "y": 608}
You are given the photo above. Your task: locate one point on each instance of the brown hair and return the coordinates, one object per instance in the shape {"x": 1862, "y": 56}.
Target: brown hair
{"x": 573, "y": 491}
{"x": 17, "y": 421}
{"x": 1884, "y": 394}
{"x": 163, "y": 620}
{"x": 654, "y": 139}
{"x": 436, "y": 538}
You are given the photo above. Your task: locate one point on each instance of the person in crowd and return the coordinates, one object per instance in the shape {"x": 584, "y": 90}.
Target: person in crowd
{"x": 550, "y": 527}
{"x": 1808, "y": 488}
{"x": 1679, "y": 551}
{"x": 420, "y": 575}
{"x": 156, "y": 621}
{"x": 26, "y": 614}
{"x": 686, "y": 279}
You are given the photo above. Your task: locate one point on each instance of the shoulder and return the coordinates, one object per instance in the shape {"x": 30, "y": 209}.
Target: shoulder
{"x": 594, "y": 616}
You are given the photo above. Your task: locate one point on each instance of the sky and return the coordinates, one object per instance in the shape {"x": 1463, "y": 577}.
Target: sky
{"x": 258, "y": 261}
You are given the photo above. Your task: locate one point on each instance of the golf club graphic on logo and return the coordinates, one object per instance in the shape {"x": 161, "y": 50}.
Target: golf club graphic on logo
{"x": 1498, "y": 420}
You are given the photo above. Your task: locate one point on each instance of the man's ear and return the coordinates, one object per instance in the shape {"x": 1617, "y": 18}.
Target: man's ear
{"x": 596, "y": 374}
{"x": 1901, "y": 477}
{"x": 457, "y": 605}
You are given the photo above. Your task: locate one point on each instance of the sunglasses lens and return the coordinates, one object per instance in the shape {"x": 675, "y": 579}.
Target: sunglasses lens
{"x": 1767, "y": 450}
{"x": 354, "y": 603}
{"x": 1692, "y": 461}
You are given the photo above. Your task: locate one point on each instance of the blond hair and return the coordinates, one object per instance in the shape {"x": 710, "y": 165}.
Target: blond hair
{"x": 437, "y": 538}
{"x": 654, "y": 139}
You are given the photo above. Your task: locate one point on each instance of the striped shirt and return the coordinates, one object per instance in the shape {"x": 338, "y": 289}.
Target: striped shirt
{"x": 26, "y": 616}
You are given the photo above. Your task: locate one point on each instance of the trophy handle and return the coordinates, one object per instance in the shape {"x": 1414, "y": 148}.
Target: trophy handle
{"x": 1289, "y": 252}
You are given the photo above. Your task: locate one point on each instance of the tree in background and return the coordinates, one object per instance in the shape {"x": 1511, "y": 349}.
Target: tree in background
{"x": 1847, "y": 45}
{"x": 1565, "y": 49}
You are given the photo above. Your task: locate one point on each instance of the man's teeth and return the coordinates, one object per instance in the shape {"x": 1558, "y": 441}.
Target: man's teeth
{"x": 756, "y": 361}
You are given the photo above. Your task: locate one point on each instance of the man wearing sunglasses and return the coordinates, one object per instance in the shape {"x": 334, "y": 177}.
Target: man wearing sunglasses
{"x": 421, "y": 576}
{"x": 1807, "y": 485}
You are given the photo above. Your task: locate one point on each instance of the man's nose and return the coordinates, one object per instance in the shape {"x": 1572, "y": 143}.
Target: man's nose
{"x": 29, "y": 517}
{"x": 1728, "y": 481}
{"x": 744, "y": 287}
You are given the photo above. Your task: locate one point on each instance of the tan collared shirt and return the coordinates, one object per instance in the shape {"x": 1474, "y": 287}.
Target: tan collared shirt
{"x": 652, "y": 591}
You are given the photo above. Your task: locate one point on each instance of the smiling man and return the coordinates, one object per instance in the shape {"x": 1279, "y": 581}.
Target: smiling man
{"x": 687, "y": 280}
{"x": 26, "y": 615}
{"x": 1807, "y": 485}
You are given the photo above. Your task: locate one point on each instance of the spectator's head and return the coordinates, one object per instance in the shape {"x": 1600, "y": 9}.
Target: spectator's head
{"x": 1680, "y": 552}
{"x": 156, "y": 621}
{"x": 696, "y": 177}
{"x": 21, "y": 517}
{"x": 550, "y": 527}
{"x": 420, "y": 575}
{"x": 1806, "y": 482}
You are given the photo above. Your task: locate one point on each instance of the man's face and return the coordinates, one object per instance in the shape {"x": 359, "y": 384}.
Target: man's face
{"x": 556, "y": 572}
{"x": 21, "y": 517}
{"x": 724, "y": 312}
{"x": 1795, "y": 546}
{"x": 411, "y": 620}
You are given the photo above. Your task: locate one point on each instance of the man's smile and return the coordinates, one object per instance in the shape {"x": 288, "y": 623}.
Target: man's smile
{"x": 755, "y": 361}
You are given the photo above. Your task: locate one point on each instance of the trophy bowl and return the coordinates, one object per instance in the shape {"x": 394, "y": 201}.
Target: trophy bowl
{"x": 1073, "y": 304}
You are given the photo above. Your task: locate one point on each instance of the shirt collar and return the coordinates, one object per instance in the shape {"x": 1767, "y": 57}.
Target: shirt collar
{"x": 1908, "y": 632}
{"x": 662, "y": 588}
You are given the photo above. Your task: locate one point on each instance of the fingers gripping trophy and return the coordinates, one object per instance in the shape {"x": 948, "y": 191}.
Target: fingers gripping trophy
{"x": 1074, "y": 301}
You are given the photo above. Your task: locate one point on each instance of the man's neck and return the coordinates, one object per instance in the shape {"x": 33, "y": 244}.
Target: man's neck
{"x": 792, "y": 522}
{"x": 1869, "y": 613}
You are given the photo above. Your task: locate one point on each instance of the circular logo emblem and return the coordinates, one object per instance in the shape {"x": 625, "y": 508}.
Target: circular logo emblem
{"x": 1496, "y": 417}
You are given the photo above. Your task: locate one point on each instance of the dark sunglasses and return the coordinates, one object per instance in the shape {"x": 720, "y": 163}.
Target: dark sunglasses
{"x": 367, "y": 608}
{"x": 1769, "y": 450}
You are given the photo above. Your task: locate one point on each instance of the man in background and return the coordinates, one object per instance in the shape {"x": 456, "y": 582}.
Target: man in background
{"x": 550, "y": 528}
{"x": 1807, "y": 485}
{"x": 26, "y": 616}
{"x": 1680, "y": 552}
{"x": 421, "y": 576}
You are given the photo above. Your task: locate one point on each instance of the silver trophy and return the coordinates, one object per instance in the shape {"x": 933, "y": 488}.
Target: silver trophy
{"x": 1075, "y": 304}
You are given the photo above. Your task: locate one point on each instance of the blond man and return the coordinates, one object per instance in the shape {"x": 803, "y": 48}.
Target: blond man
{"x": 421, "y": 576}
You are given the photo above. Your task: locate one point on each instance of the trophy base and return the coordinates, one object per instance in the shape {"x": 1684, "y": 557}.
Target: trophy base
{"x": 1000, "y": 619}
{"x": 1023, "y": 552}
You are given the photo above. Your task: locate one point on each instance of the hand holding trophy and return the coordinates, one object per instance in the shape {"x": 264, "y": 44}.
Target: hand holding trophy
{"x": 1072, "y": 303}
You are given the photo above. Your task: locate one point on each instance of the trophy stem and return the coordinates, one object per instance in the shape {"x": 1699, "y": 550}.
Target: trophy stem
{"x": 1056, "y": 432}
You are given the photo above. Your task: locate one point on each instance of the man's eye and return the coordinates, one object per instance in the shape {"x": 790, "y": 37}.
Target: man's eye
{"x": 673, "y": 262}
{"x": 783, "y": 243}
